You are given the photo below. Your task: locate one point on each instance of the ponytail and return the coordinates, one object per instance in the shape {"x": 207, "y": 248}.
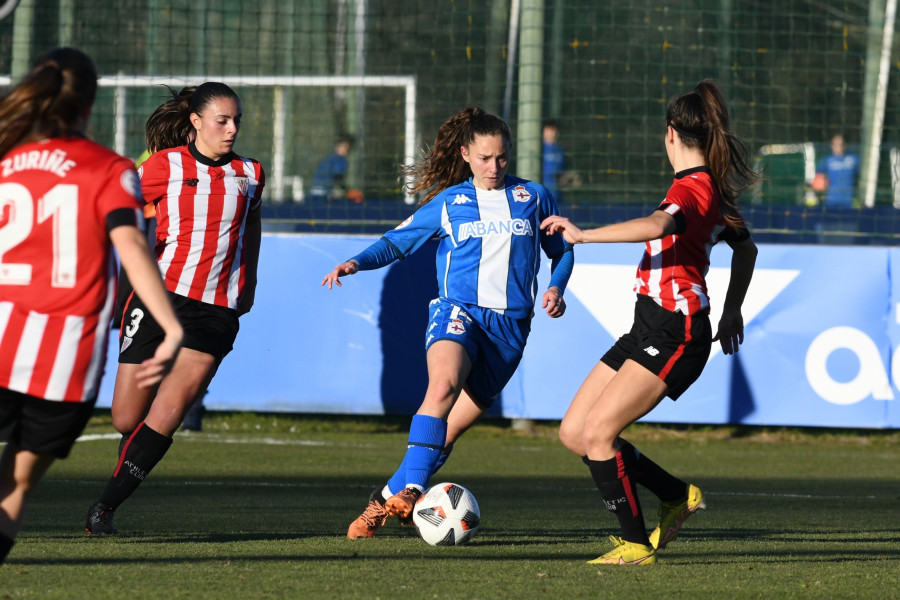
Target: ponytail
{"x": 170, "y": 125}
{"x": 444, "y": 166}
{"x": 700, "y": 117}
{"x": 52, "y": 101}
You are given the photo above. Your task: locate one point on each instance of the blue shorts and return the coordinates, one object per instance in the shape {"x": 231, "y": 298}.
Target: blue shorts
{"x": 494, "y": 343}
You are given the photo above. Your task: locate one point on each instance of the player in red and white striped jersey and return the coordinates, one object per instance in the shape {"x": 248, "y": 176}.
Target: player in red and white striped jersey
{"x": 208, "y": 233}
{"x": 671, "y": 338}
{"x": 64, "y": 203}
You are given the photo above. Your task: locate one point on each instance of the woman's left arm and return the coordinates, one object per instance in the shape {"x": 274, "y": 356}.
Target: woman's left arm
{"x": 654, "y": 226}
{"x": 731, "y": 326}
{"x": 252, "y": 240}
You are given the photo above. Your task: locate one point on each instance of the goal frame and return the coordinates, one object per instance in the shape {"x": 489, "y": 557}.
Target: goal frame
{"x": 121, "y": 83}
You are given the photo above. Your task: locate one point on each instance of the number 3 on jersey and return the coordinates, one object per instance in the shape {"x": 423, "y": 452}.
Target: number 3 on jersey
{"x": 17, "y": 217}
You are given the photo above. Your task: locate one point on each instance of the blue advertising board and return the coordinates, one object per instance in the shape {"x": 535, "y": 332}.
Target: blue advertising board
{"x": 821, "y": 334}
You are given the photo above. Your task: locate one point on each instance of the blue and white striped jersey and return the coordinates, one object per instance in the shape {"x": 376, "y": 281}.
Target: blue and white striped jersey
{"x": 488, "y": 253}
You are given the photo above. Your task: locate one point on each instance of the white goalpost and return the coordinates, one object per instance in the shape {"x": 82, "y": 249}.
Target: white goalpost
{"x": 279, "y": 179}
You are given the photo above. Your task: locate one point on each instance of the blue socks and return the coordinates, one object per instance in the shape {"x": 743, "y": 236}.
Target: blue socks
{"x": 426, "y": 444}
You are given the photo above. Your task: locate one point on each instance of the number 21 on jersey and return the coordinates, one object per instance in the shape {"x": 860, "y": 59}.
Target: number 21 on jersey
{"x": 17, "y": 216}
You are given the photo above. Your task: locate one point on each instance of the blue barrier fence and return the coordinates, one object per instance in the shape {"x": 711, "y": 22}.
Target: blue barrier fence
{"x": 770, "y": 223}
{"x": 820, "y": 350}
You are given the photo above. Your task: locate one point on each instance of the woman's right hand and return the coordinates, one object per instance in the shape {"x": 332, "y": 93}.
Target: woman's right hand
{"x": 557, "y": 224}
{"x": 154, "y": 369}
{"x": 345, "y": 268}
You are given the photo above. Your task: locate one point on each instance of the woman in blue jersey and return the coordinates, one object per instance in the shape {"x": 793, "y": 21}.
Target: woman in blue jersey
{"x": 488, "y": 224}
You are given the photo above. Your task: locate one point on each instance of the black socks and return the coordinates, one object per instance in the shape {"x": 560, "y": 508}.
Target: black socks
{"x": 647, "y": 473}
{"x": 619, "y": 492}
{"x": 137, "y": 458}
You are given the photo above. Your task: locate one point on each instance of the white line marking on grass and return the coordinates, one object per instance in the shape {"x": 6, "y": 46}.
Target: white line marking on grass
{"x": 785, "y": 495}
{"x": 217, "y": 438}
{"x": 707, "y": 493}
{"x": 231, "y": 484}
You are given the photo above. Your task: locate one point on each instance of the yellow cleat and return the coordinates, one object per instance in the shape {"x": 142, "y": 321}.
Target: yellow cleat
{"x": 673, "y": 516}
{"x": 626, "y": 553}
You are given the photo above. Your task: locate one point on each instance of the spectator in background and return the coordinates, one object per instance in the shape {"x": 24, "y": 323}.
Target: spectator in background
{"x": 836, "y": 175}
{"x": 554, "y": 159}
{"x": 328, "y": 181}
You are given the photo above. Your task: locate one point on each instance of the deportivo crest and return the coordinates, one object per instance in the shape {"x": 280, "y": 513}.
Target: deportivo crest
{"x": 461, "y": 199}
{"x": 408, "y": 220}
{"x": 520, "y": 194}
{"x": 243, "y": 185}
{"x": 456, "y": 327}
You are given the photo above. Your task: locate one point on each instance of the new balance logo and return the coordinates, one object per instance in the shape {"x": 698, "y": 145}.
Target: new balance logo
{"x": 191, "y": 182}
{"x": 651, "y": 350}
{"x": 461, "y": 199}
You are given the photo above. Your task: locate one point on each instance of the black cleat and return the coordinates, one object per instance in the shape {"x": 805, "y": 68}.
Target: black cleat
{"x": 99, "y": 521}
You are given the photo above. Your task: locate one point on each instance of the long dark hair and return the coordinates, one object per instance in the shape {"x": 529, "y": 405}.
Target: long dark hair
{"x": 170, "y": 124}
{"x": 700, "y": 118}
{"x": 444, "y": 165}
{"x": 51, "y": 100}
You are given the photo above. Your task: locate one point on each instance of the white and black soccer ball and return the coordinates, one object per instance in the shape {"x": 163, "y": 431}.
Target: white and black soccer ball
{"x": 447, "y": 515}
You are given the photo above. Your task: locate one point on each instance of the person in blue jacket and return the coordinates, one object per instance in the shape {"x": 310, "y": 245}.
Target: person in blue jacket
{"x": 488, "y": 257}
{"x": 841, "y": 170}
{"x": 553, "y": 161}
{"x": 329, "y": 179}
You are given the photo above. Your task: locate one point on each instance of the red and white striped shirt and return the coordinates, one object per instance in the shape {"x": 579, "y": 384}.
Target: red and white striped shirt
{"x": 57, "y": 270}
{"x": 201, "y": 210}
{"x": 673, "y": 269}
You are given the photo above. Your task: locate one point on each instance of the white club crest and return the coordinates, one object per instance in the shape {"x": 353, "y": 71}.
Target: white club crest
{"x": 520, "y": 194}
{"x": 243, "y": 185}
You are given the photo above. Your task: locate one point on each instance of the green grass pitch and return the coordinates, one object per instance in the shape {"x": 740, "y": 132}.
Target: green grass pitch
{"x": 257, "y": 506}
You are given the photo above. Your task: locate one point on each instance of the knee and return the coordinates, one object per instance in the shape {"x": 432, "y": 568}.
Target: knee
{"x": 598, "y": 440}
{"x": 570, "y": 436}
{"x": 124, "y": 424}
{"x": 440, "y": 396}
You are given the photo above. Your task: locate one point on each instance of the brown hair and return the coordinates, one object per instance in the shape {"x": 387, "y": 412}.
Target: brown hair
{"x": 170, "y": 124}
{"x": 51, "y": 100}
{"x": 700, "y": 118}
{"x": 444, "y": 166}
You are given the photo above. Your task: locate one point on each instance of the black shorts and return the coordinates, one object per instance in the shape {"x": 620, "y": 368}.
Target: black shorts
{"x": 42, "y": 426}
{"x": 208, "y": 328}
{"x": 671, "y": 345}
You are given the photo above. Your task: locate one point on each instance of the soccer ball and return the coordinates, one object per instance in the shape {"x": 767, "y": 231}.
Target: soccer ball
{"x": 447, "y": 515}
